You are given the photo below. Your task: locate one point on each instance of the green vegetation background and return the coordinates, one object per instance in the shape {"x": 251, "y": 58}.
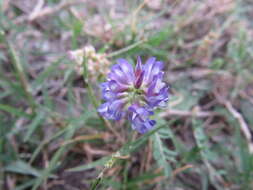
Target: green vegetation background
{"x": 50, "y": 134}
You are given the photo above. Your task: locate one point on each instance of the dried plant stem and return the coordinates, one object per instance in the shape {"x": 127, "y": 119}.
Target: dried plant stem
{"x": 36, "y": 10}
{"x": 243, "y": 125}
{"x": 95, "y": 102}
{"x": 39, "y": 13}
{"x": 181, "y": 113}
{"x": 109, "y": 164}
{"x": 134, "y": 16}
{"x": 149, "y": 155}
{"x": 214, "y": 176}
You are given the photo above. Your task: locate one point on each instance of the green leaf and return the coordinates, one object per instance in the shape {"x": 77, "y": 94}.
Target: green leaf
{"x": 99, "y": 162}
{"x": 32, "y": 127}
{"x": 54, "y": 161}
{"x": 22, "y": 167}
{"x": 133, "y": 146}
{"x": 14, "y": 111}
{"x": 202, "y": 140}
{"x": 161, "y": 153}
{"x": 74, "y": 124}
{"x": 142, "y": 178}
{"x": 160, "y": 36}
{"x": 183, "y": 87}
{"x": 25, "y": 185}
{"x": 247, "y": 110}
{"x": 43, "y": 76}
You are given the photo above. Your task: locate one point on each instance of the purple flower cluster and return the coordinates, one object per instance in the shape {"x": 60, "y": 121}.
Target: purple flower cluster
{"x": 134, "y": 92}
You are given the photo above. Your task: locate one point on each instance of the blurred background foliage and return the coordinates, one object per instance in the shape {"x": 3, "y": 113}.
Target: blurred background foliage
{"x": 50, "y": 134}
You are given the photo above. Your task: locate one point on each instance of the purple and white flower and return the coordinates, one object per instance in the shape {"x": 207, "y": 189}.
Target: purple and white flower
{"x": 134, "y": 93}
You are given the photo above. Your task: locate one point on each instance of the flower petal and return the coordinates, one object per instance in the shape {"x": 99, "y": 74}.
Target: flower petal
{"x": 139, "y": 116}
{"x": 139, "y": 80}
{"x": 156, "y": 69}
{"x": 156, "y": 85}
{"x": 148, "y": 68}
{"x": 127, "y": 69}
{"x": 116, "y": 86}
{"x": 109, "y": 95}
{"x": 117, "y": 74}
{"x": 160, "y": 99}
{"x": 103, "y": 109}
{"x": 138, "y": 67}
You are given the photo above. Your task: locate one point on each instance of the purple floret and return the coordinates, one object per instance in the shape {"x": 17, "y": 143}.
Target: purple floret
{"x": 134, "y": 92}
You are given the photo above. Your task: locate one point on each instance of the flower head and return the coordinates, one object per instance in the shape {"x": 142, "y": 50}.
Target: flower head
{"x": 134, "y": 92}
{"x": 97, "y": 63}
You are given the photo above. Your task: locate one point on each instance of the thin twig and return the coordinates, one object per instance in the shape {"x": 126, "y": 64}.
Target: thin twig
{"x": 181, "y": 169}
{"x": 246, "y": 96}
{"x": 181, "y": 113}
{"x": 47, "y": 11}
{"x": 214, "y": 176}
{"x": 134, "y": 16}
{"x": 110, "y": 127}
{"x": 149, "y": 155}
{"x": 243, "y": 125}
{"x": 93, "y": 151}
{"x": 37, "y": 9}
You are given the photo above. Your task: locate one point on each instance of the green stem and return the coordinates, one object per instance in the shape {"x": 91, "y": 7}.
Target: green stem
{"x": 96, "y": 183}
{"x": 86, "y": 78}
{"x": 95, "y": 102}
{"x": 126, "y": 49}
{"x": 92, "y": 96}
{"x": 20, "y": 72}
{"x": 1, "y": 164}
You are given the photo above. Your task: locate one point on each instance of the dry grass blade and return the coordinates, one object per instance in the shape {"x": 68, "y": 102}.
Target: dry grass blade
{"x": 243, "y": 125}
{"x": 182, "y": 113}
{"x": 85, "y": 138}
{"x": 179, "y": 170}
{"x": 47, "y": 11}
